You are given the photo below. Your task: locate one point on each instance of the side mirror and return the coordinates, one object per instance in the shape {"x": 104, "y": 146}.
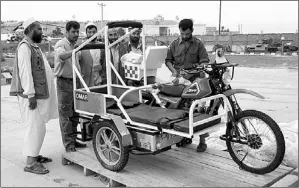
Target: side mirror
{"x": 220, "y": 56}
{"x": 219, "y": 52}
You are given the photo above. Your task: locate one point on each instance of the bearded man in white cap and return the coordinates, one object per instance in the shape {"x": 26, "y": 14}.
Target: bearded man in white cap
{"x": 33, "y": 84}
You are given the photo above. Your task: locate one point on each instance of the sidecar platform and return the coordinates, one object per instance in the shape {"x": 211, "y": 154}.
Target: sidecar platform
{"x": 175, "y": 119}
{"x": 178, "y": 167}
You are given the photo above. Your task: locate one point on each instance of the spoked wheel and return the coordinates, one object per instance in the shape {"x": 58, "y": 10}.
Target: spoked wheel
{"x": 107, "y": 145}
{"x": 261, "y": 146}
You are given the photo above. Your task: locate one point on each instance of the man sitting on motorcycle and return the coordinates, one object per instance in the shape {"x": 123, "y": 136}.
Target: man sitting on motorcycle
{"x": 184, "y": 53}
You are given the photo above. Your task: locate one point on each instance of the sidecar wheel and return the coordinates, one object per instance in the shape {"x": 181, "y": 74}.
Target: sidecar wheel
{"x": 108, "y": 148}
{"x": 264, "y": 145}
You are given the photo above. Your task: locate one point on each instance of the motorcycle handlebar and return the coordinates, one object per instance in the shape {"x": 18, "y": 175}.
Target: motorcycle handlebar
{"x": 203, "y": 67}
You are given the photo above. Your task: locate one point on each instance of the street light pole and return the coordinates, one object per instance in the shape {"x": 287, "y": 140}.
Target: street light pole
{"x": 102, "y": 5}
{"x": 220, "y": 17}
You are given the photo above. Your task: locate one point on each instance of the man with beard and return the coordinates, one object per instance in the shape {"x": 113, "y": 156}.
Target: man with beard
{"x": 33, "y": 84}
{"x": 116, "y": 51}
{"x": 134, "y": 45}
{"x": 90, "y": 60}
{"x": 184, "y": 52}
{"x": 68, "y": 118}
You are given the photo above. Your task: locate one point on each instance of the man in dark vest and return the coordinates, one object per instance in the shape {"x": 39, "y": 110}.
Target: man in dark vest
{"x": 68, "y": 118}
{"x": 33, "y": 84}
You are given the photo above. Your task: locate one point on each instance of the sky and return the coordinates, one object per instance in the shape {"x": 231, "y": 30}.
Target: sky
{"x": 255, "y": 16}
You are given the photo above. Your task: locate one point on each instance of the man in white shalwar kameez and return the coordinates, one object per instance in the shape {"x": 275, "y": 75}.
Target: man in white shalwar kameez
{"x": 33, "y": 83}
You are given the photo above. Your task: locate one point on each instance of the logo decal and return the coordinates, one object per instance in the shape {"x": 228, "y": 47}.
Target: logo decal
{"x": 193, "y": 89}
{"x": 81, "y": 96}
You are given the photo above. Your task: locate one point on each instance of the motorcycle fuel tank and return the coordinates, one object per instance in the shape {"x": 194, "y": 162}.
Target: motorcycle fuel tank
{"x": 199, "y": 88}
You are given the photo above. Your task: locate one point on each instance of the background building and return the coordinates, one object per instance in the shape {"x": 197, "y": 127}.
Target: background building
{"x": 211, "y": 30}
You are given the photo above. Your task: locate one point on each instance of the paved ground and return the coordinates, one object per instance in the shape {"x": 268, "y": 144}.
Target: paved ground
{"x": 279, "y": 85}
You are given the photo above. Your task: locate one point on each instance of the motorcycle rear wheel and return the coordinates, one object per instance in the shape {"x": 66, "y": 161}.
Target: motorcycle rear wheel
{"x": 265, "y": 146}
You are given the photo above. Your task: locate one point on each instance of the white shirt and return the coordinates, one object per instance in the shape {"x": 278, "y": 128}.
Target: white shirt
{"x": 96, "y": 56}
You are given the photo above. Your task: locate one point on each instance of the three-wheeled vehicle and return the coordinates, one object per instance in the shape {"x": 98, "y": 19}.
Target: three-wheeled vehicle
{"x": 119, "y": 120}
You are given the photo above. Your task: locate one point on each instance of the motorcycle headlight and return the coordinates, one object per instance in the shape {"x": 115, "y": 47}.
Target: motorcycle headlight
{"x": 226, "y": 77}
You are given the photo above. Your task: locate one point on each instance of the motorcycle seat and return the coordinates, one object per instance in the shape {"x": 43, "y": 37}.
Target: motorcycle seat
{"x": 172, "y": 90}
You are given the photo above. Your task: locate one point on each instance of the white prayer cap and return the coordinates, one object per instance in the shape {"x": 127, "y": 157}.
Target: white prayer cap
{"x": 28, "y": 22}
{"x": 90, "y": 24}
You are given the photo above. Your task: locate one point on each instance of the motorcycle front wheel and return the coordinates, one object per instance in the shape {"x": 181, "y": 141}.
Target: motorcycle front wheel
{"x": 261, "y": 147}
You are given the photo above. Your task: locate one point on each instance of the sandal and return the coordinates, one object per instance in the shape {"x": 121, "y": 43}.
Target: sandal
{"x": 42, "y": 159}
{"x": 37, "y": 168}
{"x": 201, "y": 147}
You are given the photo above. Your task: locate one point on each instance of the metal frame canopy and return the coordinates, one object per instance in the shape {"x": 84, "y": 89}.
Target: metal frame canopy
{"x": 85, "y": 45}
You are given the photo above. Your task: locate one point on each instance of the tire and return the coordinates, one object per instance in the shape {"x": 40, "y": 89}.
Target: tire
{"x": 119, "y": 154}
{"x": 261, "y": 164}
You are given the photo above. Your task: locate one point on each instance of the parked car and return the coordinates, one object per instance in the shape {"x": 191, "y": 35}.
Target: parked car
{"x": 261, "y": 46}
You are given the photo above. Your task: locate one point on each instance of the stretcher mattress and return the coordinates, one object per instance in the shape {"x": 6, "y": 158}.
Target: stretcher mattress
{"x": 150, "y": 114}
{"x": 167, "y": 118}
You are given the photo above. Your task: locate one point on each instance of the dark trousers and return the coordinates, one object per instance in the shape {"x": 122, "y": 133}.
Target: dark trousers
{"x": 67, "y": 115}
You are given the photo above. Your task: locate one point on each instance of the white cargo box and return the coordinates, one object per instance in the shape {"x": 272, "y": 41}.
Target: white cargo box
{"x": 154, "y": 57}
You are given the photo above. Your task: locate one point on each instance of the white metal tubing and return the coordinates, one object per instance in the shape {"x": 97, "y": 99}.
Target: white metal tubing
{"x": 164, "y": 130}
{"x": 76, "y": 72}
{"x": 209, "y": 129}
{"x": 133, "y": 89}
{"x": 89, "y": 40}
{"x": 73, "y": 69}
{"x": 118, "y": 102}
{"x": 96, "y": 87}
{"x": 84, "y": 112}
{"x": 114, "y": 43}
{"x": 121, "y": 86}
{"x": 123, "y": 37}
{"x": 107, "y": 54}
{"x": 158, "y": 99}
{"x": 128, "y": 87}
{"x": 226, "y": 103}
{"x": 123, "y": 111}
{"x": 140, "y": 128}
{"x": 144, "y": 62}
{"x": 116, "y": 73}
{"x": 177, "y": 133}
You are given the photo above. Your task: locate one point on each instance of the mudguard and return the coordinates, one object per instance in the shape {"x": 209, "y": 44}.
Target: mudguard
{"x": 121, "y": 127}
{"x": 235, "y": 91}
{"x": 123, "y": 130}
